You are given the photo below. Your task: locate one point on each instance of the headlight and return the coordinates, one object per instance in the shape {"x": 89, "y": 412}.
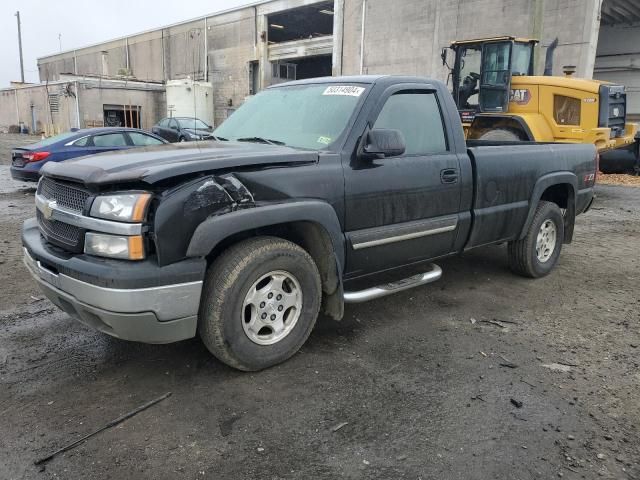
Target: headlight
{"x": 128, "y": 207}
{"x": 113, "y": 246}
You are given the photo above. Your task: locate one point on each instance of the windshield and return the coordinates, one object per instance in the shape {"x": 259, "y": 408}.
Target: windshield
{"x": 521, "y": 58}
{"x": 303, "y": 116}
{"x": 192, "y": 123}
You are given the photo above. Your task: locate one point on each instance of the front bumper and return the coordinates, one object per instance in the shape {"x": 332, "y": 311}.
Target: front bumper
{"x": 160, "y": 312}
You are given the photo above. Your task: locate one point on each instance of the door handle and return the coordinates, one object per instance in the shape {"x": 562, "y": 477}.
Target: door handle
{"x": 449, "y": 175}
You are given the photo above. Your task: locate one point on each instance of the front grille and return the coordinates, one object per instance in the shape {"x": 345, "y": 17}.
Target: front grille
{"x": 65, "y": 195}
{"x": 60, "y": 233}
{"x": 73, "y": 198}
{"x": 613, "y": 109}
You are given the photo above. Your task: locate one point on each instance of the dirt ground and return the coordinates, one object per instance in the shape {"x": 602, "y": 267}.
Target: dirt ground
{"x": 425, "y": 384}
{"x": 619, "y": 179}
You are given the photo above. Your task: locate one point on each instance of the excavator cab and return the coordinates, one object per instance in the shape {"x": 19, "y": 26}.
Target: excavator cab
{"x": 482, "y": 71}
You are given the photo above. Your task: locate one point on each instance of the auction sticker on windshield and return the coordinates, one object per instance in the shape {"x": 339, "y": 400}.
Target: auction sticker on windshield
{"x": 344, "y": 90}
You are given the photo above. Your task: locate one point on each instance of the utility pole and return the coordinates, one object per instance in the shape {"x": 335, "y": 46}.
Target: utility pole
{"x": 60, "y": 41}
{"x": 20, "y": 48}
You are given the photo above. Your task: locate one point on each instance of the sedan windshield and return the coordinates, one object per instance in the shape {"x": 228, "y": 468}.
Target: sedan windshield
{"x": 192, "y": 123}
{"x": 303, "y": 116}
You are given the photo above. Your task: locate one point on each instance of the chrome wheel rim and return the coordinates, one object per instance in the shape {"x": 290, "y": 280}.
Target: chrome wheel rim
{"x": 546, "y": 241}
{"x": 272, "y": 307}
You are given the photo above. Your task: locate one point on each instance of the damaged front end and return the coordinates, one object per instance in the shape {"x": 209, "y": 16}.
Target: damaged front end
{"x": 188, "y": 206}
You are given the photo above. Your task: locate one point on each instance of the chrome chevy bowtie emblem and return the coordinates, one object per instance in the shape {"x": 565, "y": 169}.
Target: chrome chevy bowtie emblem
{"x": 47, "y": 208}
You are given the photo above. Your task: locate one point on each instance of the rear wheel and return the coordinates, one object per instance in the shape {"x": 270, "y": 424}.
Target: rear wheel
{"x": 260, "y": 302}
{"x": 501, "y": 135}
{"x": 537, "y": 253}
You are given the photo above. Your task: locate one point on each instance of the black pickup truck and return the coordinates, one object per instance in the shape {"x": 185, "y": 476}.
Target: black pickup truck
{"x": 309, "y": 189}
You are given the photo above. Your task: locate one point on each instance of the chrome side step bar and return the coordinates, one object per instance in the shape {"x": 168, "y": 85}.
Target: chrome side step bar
{"x": 390, "y": 288}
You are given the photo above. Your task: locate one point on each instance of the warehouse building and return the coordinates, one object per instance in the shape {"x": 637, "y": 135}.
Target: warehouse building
{"x": 72, "y": 101}
{"x": 241, "y": 51}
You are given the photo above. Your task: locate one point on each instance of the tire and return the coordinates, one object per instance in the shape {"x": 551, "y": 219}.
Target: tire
{"x": 524, "y": 257}
{"x": 501, "y": 135}
{"x": 182, "y": 139}
{"x": 234, "y": 330}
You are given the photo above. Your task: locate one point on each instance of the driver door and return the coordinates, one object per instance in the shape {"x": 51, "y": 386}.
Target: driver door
{"x": 495, "y": 77}
{"x": 403, "y": 209}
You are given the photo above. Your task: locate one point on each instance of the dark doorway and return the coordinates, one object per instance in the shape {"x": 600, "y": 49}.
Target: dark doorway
{"x": 312, "y": 67}
{"x": 301, "y": 23}
{"x": 122, "y": 116}
{"x": 254, "y": 77}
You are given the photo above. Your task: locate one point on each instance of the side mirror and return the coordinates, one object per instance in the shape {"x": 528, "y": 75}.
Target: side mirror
{"x": 174, "y": 127}
{"x": 443, "y": 56}
{"x": 383, "y": 142}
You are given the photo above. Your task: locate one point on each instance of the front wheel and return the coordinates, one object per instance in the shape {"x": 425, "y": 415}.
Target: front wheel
{"x": 537, "y": 253}
{"x": 260, "y": 302}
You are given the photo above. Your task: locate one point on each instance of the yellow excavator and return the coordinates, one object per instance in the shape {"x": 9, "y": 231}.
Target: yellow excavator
{"x": 499, "y": 98}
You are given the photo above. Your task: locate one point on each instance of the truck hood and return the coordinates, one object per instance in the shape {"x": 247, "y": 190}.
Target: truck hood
{"x": 154, "y": 164}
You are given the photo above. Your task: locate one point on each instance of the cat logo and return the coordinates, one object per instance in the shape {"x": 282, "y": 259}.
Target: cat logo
{"x": 521, "y": 96}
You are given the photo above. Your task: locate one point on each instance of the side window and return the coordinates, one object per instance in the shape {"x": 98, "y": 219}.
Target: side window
{"x": 566, "y": 110}
{"x": 417, "y": 116}
{"x": 110, "y": 140}
{"x": 164, "y": 123}
{"x": 82, "y": 142}
{"x": 173, "y": 123}
{"x": 140, "y": 139}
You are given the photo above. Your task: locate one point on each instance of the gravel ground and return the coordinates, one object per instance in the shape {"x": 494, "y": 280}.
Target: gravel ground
{"x": 423, "y": 384}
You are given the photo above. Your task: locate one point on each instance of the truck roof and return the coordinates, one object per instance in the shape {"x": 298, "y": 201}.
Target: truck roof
{"x": 368, "y": 79}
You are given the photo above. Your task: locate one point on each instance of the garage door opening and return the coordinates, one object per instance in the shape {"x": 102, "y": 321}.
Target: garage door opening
{"x": 302, "y": 23}
{"x": 122, "y": 116}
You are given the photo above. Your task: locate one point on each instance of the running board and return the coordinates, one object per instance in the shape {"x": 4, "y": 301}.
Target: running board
{"x": 390, "y": 288}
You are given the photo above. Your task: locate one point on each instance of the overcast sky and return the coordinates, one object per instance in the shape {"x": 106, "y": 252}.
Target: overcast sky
{"x": 83, "y": 23}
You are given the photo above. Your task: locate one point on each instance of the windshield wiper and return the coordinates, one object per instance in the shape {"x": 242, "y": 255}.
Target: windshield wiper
{"x": 260, "y": 140}
{"x": 221, "y": 139}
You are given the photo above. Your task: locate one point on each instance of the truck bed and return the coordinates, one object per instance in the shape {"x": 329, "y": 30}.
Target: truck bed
{"x": 505, "y": 175}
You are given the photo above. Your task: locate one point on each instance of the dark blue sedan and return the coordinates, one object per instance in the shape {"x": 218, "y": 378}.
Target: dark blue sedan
{"x": 27, "y": 161}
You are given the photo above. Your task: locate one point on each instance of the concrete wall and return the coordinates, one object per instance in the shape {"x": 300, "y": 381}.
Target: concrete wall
{"x": 576, "y": 24}
{"x": 231, "y": 42}
{"x": 15, "y": 107}
{"x": 618, "y": 61}
{"x": 407, "y": 36}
